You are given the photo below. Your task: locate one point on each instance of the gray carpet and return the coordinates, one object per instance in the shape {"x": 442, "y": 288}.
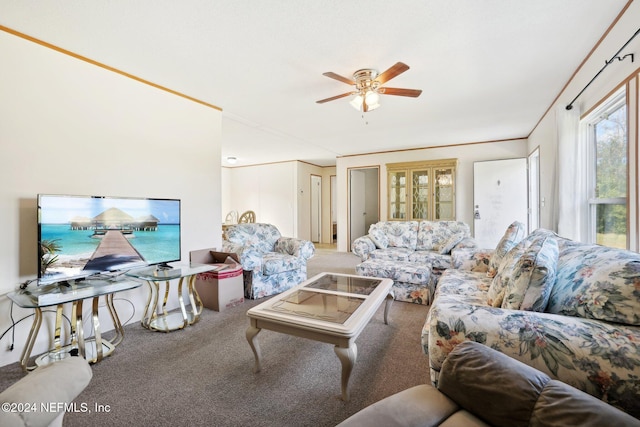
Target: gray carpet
{"x": 328, "y": 259}
{"x": 203, "y": 375}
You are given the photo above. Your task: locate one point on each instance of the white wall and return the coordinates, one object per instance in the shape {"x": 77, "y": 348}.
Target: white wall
{"x": 545, "y": 134}
{"x": 269, "y": 190}
{"x": 225, "y": 192}
{"x": 279, "y": 193}
{"x": 69, "y": 127}
{"x": 466, "y": 155}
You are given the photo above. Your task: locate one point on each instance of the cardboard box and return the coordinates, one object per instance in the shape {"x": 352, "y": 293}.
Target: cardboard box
{"x": 223, "y": 287}
{"x": 211, "y": 256}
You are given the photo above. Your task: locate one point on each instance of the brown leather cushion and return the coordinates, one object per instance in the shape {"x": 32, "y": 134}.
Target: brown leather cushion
{"x": 497, "y": 388}
{"x": 505, "y": 392}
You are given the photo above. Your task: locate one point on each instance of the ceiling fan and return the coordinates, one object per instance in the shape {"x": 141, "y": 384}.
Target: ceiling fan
{"x": 367, "y": 85}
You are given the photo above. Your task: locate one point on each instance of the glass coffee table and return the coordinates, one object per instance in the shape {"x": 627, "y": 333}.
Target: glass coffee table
{"x": 330, "y": 307}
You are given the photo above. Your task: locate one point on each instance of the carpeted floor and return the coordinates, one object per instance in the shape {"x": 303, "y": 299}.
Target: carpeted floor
{"x": 203, "y": 376}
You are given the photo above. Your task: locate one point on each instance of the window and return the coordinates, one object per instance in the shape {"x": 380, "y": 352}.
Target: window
{"x": 607, "y": 137}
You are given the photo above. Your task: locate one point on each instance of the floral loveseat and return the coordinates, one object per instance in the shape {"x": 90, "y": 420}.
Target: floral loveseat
{"x": 271, "y": 263}
{"x": 411, "y": 253}
{"x": 569, "y": 309}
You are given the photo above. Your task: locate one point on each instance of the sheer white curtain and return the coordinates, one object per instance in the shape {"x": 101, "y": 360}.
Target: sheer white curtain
{"x": 572, "y": 165}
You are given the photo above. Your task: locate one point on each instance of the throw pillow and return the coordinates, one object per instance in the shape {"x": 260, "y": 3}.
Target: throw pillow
{"x": 500, "y": 282}
{"x": 597, "y": 282}
{"x": 533, "y": 276}
{"x": 450, "y": 243}
{"x": 498, "y": 301}
{"x": 379, "y": 238}
{"x": 514, "y": 234}
{"x": 401, "y": 234}
{"x": 467, "y": 242}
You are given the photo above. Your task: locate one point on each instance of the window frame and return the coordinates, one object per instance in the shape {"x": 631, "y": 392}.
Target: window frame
{"x": 617, "y": 100}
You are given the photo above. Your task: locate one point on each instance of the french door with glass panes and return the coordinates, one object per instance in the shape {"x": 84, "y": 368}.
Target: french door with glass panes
{"x": 422, "y": 190}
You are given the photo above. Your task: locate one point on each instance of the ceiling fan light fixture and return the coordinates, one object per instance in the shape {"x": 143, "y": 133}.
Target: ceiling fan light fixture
{"x": 371, "y": 98}
{"x": 357, "y": 102}
{"x": 368, "y": 85}
{"x": 371, "y": 107}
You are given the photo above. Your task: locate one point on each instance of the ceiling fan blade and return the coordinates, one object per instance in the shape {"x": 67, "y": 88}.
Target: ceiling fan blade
{"x": 414, "y": 93}
{"x": 338, "y": 77}
{"x": 322, "y": 101}
{"x": 392, "y": 72}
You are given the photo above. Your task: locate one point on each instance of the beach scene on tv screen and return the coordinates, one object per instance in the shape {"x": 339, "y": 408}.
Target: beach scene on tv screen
{"x": 90, "y": 234}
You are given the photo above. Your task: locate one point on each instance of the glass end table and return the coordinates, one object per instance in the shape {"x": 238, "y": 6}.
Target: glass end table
{"x": 158, "y": 318}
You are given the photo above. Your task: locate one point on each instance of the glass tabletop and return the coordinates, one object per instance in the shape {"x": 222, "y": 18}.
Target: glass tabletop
{"x": 54, "y": 294}
{"x": 155, "y": 272}
{"x": 321, "y": 306}
{"x": 346, "y": 284}
{"x": 330, "y": 297}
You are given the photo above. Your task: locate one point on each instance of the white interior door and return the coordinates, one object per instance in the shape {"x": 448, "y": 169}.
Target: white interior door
{"x": 316, "y": 208}
{"x": 534, "y": 190}
{"x": 357, "y": 205}
{"x": 372, "y": 199}
{"x": 499, "y": 198}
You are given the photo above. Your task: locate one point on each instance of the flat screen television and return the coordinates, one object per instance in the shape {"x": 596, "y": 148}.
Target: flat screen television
{"x": 79, "y": 236}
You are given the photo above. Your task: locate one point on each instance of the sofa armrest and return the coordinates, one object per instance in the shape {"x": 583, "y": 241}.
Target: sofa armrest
{"x": 471, "y": 259}
{"x": 362, "y": 247}
{"x": 299, "y": 248}
{"x": 422, "y": 405}
{"x": 58, "y": 383}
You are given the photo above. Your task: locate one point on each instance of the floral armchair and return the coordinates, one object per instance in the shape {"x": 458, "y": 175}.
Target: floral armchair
{"x": 271, "y": 263}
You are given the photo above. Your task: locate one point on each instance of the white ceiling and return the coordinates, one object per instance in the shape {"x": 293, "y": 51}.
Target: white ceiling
{"x": 488, "y": 69}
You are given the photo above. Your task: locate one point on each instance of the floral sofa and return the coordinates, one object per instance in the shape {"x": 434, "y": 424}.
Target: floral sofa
{"x": 414, "y": 241}
{"x": 569, "y": 309}
{"x": 411, "y": 253}
{"x": 271, "y": 263}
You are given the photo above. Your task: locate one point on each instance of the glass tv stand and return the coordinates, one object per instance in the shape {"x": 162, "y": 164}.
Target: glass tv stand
{"x": 56, "y": 295}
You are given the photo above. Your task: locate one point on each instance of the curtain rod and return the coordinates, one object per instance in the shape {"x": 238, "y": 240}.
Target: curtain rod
{"x": 606, "y": 64}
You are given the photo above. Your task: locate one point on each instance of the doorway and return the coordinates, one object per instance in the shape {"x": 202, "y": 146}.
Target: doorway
{"x": 316, "y": 208}
{"x": 364, "y": 200}
{"x": 499, "y": 198}
{"x": 533, "y": 162}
